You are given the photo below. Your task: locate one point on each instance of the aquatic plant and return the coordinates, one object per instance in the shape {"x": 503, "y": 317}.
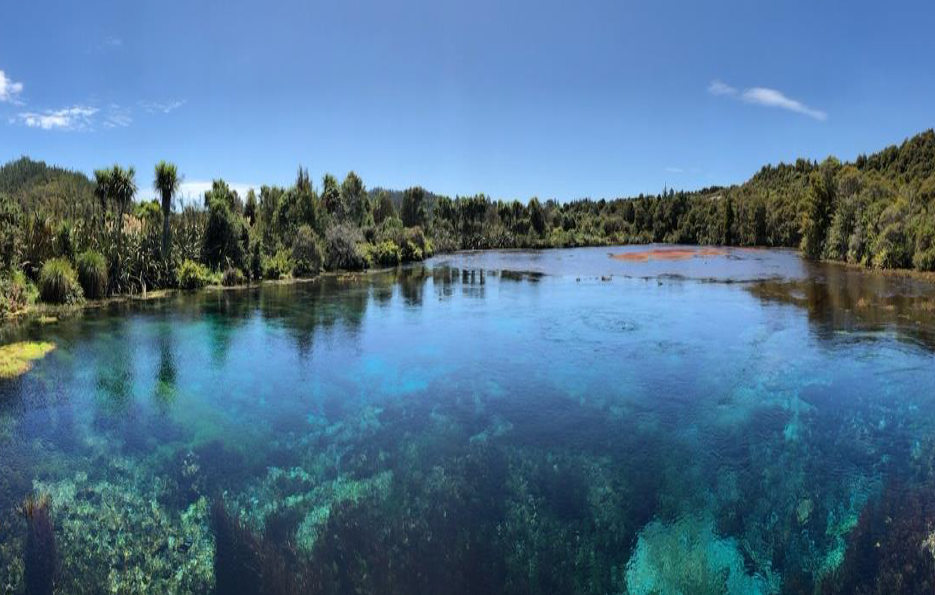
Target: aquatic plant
{"x": 246, "y": 563}
{"x": 92, "y": 274}
{"x": 17, "y": 358}
{"x": 41, "y": 554}
{"x": 58, "y": 283}
{"x": 687, "y": 556}
{"x": 892, "y": 548}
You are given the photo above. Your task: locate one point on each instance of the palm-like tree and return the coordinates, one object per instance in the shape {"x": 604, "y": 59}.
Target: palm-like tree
{"x": 122, "y": 191}
{"x": 102, "y": 188}
{"x": 166, "y": 183}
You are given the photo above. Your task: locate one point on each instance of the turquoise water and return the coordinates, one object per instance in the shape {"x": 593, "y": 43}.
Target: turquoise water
{"x": 502, "y": 422}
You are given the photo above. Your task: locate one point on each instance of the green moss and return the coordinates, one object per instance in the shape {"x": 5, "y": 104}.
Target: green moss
{"x": 17, "y": 358}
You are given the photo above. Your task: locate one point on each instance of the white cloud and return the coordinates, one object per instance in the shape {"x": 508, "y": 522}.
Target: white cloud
{"x": 718, "y": 88}
{"x": 9, "y": 90}
{"x": 766, "y": 97}
{"x": 167, "y": 107}
{"x": 192, "y": 192}
{"x": 674, "y": 170}
{"x": 70, "y": 118}
{"x": 773, "y": 98}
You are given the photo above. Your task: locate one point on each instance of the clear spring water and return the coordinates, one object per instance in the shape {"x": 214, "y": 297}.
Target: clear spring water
{"x": 492, "y": 422}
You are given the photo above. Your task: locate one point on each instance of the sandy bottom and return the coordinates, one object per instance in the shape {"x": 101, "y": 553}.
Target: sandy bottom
{"x": 668, "y": 254}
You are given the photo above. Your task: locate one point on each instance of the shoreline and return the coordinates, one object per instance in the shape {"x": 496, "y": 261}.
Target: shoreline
{"x": 48, "y": 313}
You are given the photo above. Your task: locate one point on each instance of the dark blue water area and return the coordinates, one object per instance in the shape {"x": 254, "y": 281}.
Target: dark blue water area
{"x": 511, "y": 422}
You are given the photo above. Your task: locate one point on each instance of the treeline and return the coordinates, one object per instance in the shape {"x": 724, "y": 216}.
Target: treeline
{"x": 878, "y": 211}
{"x": 65, "y": 238}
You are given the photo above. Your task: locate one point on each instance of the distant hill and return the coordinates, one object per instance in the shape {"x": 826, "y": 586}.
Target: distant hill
{"x": 54, "y": 190}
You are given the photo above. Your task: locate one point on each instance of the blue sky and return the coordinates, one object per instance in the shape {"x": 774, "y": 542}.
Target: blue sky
{"x": 513, "y": 98}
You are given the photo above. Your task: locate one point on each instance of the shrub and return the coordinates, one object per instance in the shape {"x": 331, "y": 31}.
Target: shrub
{"x": 387, "y": 253}
{"x": 233, "y": 276}
{"x": 411, "y": 252}
{"x": 58, "y": 283}
{"x": 13, "y": 293}
{"x": 341, "y": 248}
{"x": 306, "y": 253}
{"x": 193, "y": 275}
{"x": 92, "y": 274}
{"x": 277, "y": 266}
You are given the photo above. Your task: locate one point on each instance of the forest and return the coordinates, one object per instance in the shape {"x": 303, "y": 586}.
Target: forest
{"x": 66, "y": 237}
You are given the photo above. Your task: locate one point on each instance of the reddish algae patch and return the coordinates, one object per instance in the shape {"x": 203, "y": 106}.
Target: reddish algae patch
{"x": 668, "y": 254}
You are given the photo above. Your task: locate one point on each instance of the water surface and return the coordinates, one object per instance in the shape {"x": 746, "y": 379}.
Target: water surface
{"x": 515, "y": 422}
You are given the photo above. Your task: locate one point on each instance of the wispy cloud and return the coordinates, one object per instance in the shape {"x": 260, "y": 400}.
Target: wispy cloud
{"x": 674, "y": 170}
{"x": 165, "y": 108}
{"x": 113, "y": 42}
{"x": 766, "y": 97}
{"x": 9, "y": 90}
{"x": 77, "y": 117}
{"x": 117, "y": 117}
{"x": 719, "y": 88}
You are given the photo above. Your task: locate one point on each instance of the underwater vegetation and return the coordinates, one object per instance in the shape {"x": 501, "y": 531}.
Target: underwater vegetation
{"x": 41, "y": 555}
{"x": 687, "y": 556}
{"x": 17, "y": 358}
{"x": 892, "y": 548}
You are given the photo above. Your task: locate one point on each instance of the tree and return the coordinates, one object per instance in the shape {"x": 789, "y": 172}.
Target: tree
{"x": 413, "y": 207}
{"x": 226, "y": 236}
{"x": 536, "y": 216}
{"x": 117, "y": 185}
{"x": 250, "y": 208}
{"x": 384, "y": 209}
{"x": 166, "y": 182}
{"x": 354, "y": 198}
{"x": 331, "y": 198}
{"x": 816, "y": 218}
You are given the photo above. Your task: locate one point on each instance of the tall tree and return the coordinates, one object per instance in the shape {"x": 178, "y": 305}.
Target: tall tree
{"x": 384, "y": 208}
{"x": 331, "y": 198}
{"x": 413, "y": 207}
{"x": 816, "y": 218}
{"x": 166, "y": 182}
{"x": 355, "y": 199}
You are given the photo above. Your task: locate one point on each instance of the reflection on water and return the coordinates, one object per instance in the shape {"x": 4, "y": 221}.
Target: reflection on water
{"x": 517, "y": 422}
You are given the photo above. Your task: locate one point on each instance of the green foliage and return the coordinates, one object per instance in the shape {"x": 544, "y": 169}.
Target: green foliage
{"x": 413, "y": 208}
{"x": 306, "y": 253}
{"x": 232, "y": 277}
{"x": 58, "y": 283}
{"x": 92, "y": 274}
{"x": 816, "y": 218}
{"x": 226, "y": 234}
{"x": 277, "y": 266}
{"x": 387, "y": 253}
{"x": 166, "y": 182}
{"x": 14, "y": 293}
{"x": 384, "y": 208}
{"x": 341, "y": 251}
{"x": 193, "y": 275}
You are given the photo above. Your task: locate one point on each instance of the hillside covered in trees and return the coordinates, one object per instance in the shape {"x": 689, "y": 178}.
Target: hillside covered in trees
{"x": 67, "y": 237}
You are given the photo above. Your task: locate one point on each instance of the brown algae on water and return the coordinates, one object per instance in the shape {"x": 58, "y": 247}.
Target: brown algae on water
{"x": 17, "y": 358}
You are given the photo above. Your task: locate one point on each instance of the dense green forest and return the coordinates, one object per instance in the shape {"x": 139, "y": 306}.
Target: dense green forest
{"x": 66, "y": 237}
